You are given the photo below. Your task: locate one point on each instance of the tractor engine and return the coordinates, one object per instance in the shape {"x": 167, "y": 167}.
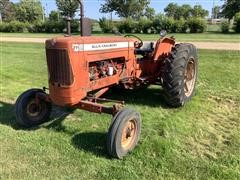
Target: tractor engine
{"x": 78, "y": 66}
{"x": 105, "y": 68}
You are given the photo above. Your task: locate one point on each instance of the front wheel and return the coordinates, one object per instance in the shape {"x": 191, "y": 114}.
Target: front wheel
{"x": 180, "y": 74}
{"x": 124, "y": 133}
{"x": 29, "y": 112}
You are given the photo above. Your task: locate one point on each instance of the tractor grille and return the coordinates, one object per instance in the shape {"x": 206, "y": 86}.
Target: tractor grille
{"x": 59, "y": 68}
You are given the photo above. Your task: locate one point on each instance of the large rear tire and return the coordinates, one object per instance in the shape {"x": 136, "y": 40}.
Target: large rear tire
{"x": 180, "y": 74}
{"x": 30, "y": 113}
{"x": 124, "y": 133}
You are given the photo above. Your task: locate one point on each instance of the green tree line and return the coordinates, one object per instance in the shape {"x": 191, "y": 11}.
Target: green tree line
{"x": 28, "y": 16}
{"x": 136, "y": 15}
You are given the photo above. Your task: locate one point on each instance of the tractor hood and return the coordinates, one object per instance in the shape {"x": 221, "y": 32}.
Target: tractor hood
{"x": 90, "y": 43}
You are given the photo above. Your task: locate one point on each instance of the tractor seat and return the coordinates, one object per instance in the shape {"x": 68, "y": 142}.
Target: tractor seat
{"x": 147, "y": 47}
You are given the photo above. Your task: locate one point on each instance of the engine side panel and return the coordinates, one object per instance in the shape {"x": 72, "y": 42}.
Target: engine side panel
{"x": 95, "y": 63}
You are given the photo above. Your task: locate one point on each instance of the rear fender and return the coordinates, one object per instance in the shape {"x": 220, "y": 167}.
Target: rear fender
{"x": 163, "y": 48}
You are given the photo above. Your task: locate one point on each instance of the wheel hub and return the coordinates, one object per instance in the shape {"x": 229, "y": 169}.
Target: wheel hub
{"x": 190, "y": 77}
{"x": 33, "y": 109}
{"x": 129, "y": 134}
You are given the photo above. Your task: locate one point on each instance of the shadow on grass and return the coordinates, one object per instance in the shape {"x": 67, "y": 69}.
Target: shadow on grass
{"x": 57, "y": 117}
{"x": 93, "y": 142}
{"x": 7, "y": 115}
{"x": 152, "y": 97}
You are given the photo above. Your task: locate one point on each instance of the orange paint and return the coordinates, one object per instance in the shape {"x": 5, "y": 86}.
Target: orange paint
{"x": 117, "y": 53}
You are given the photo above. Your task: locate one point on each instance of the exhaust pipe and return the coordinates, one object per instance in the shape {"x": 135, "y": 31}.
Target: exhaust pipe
{"x": 85, "y": 23}
{"x": 81, "y": 16}
{"x": 68, "y": 19}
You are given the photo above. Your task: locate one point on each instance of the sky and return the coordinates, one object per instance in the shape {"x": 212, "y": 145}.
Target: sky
{"x": 92, "y": 6}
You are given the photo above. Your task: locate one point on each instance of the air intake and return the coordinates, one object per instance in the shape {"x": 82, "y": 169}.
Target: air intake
{"x": 59, "y": 68}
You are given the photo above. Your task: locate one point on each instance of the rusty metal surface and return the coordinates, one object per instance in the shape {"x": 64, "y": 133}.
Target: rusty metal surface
{"x": 93, "y": 64}
{"x": 87, "y": 27}
{"x": 98, "y": 108}
{"x": 100, "y": 92}
{"x": 162, "y": 48}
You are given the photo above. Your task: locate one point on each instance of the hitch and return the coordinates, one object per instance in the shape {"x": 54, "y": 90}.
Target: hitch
{"x": 100, "y": 108}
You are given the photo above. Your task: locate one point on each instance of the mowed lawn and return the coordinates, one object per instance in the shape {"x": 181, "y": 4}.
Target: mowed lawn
{"x": 181, "y": 37}
{"x": 198, "y": 141}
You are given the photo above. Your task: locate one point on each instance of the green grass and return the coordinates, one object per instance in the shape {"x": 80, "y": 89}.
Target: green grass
{"x": 214, "y": 28}
{"x": 198, "y": 141}
{"x": 203, "y": 37}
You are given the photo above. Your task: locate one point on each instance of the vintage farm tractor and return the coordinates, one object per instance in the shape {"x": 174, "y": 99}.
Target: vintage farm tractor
{"x": 81, "y": 69}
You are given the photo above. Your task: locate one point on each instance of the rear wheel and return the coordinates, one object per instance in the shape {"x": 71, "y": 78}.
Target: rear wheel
{"x": 180, "y": 75}
{"x": 29, "y": 112}
{"x": 124, "y": 133}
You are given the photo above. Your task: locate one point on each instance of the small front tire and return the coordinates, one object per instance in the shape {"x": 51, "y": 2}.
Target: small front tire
{"x": 30, "y": 113}
{"x": 124, "y": 133}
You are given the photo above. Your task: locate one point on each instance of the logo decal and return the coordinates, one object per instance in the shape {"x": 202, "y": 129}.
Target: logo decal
{"x": 100, "y": 46}
{"x": 77, "y": 47}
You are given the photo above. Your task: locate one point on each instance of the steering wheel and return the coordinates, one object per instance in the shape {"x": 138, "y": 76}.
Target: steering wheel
{"x": 137, "y": 44}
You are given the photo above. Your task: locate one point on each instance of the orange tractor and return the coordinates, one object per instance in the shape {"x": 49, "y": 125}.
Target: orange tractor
{"x": 82, "y": 69}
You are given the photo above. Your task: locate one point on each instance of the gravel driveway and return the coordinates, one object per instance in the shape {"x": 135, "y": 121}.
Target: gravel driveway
{"x": 200, "y": 45}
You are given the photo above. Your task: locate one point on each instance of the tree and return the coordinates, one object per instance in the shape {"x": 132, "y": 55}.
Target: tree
{"x": 178, "y": 12}
{"x": 54, "y": 16}
{"x": 185, "y": 11}
{"x": 6, "y": 10}
{"x": 67, "y": 7}
{"x": 198, "y": 11}
{"x": 125, "y": 8}
{"x": 172, "y": 10}
{"x": 216, "y": 12}
{"x": 106, "y": 25}
{"x": 150, "y": 13}
{"x": 237, "y": 23}
{"x": 29, "y": 11}
{"x": 230, "y": 8}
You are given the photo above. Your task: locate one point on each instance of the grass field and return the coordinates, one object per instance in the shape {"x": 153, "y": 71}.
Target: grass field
{"x": 203, "y": 37}
{"x": 198, "y": 141}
